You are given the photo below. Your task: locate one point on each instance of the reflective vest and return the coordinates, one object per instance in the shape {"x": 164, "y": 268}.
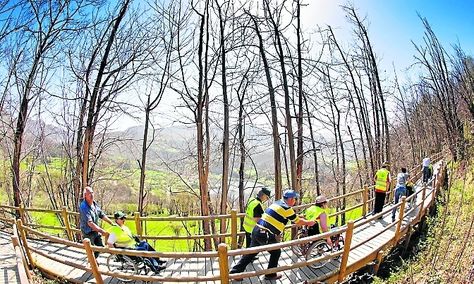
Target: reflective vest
{"x": 124, "y": 237}
{"x": 313, "y": 213}
{"x": 381, "y": 179}
{"x": 249, "y": 221}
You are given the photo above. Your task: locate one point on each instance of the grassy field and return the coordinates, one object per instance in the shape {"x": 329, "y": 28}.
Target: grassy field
{"x": 162, "y": 228}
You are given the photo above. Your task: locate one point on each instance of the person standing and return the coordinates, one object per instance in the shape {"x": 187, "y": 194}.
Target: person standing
{"x": 268, "y": 231}
{"x": 426, "y": 169}
{"x": 254, "y": 212}
{"x": 382, "y": 185}
{"x": 400, "y": 189}
{"x": 90, "y": 213}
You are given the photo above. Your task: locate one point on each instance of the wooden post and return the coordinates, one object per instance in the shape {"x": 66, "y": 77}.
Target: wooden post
{"x": 378, "y": 261}
{"x": 21, "y": 210}
{"x": 92, "y": 261}
{"x": 347, "y": 248}
{"x": 422, "y": 205}
{"x": 233, "y": 228}
{"x": 65, "y": 216}
{"x": 407, "y": 240}
{"x": 400, "y": 219}
{"x": 223, "y": 263}
{"x": 22, "y": 265}
{"x": 19, "y": 225}
{"x": 138, "y": 224}
{"x": 365, "y": 197}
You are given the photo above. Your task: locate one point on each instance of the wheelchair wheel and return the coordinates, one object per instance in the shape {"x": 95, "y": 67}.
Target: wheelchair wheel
{"x": 318, "y": 249}
{"x": 122, "y": 263}
{"x": 301, "y": 249}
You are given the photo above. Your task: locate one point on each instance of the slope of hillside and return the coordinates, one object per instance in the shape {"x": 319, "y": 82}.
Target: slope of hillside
{"x": 446, "y": 253}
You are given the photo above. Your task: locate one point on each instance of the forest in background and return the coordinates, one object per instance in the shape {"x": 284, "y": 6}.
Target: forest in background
{"x": 244, "y": 77}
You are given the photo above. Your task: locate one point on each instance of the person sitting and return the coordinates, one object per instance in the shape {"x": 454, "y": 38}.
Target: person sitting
{"x": 120, "y": 236}
{"x": 318, "y": 213}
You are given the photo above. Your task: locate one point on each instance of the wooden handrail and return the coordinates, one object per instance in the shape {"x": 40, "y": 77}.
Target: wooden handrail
{"x": 224, "y": 253}
{"x": 140, "y": 219}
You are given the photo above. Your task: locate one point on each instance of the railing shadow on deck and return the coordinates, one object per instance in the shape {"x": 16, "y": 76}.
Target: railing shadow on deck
{"x": 400, "y": 227}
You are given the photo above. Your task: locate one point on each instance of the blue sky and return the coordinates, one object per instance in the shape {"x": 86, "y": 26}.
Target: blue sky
{"x": 393, "y": 24}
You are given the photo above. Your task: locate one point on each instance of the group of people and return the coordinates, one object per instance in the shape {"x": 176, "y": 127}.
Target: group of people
{"x": 265, "y": 225}
{"x": 262, "y": 225}
{"x": 118, "y": 235}
{"x": 403, "y": 187}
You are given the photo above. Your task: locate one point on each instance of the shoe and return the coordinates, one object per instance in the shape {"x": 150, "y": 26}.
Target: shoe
{"x": 273, "y": 277}
{"x": 161, "y": 261}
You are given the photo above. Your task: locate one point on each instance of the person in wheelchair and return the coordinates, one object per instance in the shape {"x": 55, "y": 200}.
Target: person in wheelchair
{"x": 318, "y": 212}
{"x": 120, "y": 236}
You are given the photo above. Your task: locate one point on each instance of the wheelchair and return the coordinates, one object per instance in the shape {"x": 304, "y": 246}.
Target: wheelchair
{"x": 317, "y": 248}
{"x": 135, "y": 265}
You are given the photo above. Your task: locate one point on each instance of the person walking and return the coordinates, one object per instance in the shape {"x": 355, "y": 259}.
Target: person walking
{"x": 268, "y": 231}
{"x": 382, "y": 185}
{"x": 426, "y": 169}
{"x": 254, "y": 212}
{"x": 90, "y": 213}
{"x": 400, "y": 189}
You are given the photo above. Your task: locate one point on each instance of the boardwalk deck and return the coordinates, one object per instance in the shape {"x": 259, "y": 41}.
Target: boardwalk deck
{"x": 8, "y": 268}
{"x": 190, "y": 267}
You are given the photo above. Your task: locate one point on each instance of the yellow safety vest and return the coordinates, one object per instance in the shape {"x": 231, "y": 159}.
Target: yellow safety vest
{"x": 381, "y": 179}
{"x": 249, "y": 221}
{"x": 313, "y": 213}
{"x": 124, "y": 236}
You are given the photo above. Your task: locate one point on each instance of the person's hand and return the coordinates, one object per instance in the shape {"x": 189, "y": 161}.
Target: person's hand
{"x": 310, "y": 223}
{"x": 328, "y": 240}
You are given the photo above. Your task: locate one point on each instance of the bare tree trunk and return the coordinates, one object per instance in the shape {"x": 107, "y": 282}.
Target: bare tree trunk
{"x": 271, "y": 91}
{"x": 225, "y": 142}
{"x": 289, "y": 127}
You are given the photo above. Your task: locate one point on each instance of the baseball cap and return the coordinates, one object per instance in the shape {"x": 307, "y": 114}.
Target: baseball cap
{"x": 290, "y": 193}
{"x": 119, "y": 215}
{"x": 265, "y": 191}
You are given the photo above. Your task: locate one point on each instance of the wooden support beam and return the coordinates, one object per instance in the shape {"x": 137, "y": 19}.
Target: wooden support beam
{"x": 92, "y": 261}
{"x": 233, "y": 228}
{"x": 347, "y": 249}
{"x": 401, "y": 214}
{"x": 223, "y": 263}
{"x": 65, "y": 216}
{"x": 365, "y": 197}
{"x": 378, "y": 261}
{"x": 22, "y": 232}
{"x": 138, "y": 224}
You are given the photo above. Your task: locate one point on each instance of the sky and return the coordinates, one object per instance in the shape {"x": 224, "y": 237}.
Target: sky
{"x": 393, "y": 24}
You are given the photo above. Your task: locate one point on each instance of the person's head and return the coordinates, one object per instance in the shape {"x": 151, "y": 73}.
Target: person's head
{"x": 404, "y": 170}
{"x": 386, "y": 165}
{"x": 290, "y": 196}
{"x": 264, "y": 194}
{"x": 120, "y": 217}
{"x": 321, "y": 201}
{"x": 88, "y": 194}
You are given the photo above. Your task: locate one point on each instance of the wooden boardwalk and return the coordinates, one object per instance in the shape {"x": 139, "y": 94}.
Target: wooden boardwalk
{"x": 370, "y": 236}
{"x": 8, "y": 267}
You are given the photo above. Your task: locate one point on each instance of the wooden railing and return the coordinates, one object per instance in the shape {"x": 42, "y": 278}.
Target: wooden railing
{"x": 223, "y": 253}
{"x": 233, "y": 219}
